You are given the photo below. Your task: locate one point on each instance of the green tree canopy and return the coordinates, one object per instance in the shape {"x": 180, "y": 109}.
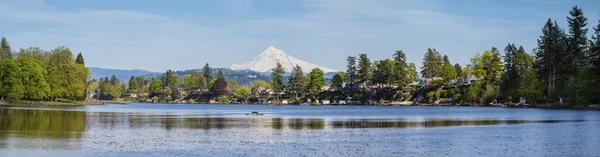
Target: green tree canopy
{"x": 297, "y": 81}
{"x": 11, "y": 86}
{"x": 79, "y": 59}
{"x": 277, "y": 81}
{"x": 316, "y": 79}
{"x": 35, "y": 86}
{"x": 5, "y": 50}
{"x": 364, "y": 69}
{"x": 337, "y": 82}
{"x": 432, "y": 64}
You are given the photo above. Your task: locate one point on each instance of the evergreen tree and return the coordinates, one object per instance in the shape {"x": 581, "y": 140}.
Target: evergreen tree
{"x": 5, "y": 50}
{"x": 412, "y": 72}
{"x": 337, "y": 82}
{"x": 220, "y": 74}
{"x": 364, "y": 69}
{"x": 133, "y": 84}
{"x": 577, "y": 39}
{"x": 207, "y": 71}
{"x": 170, "y": 80}
{"x": 79, "y": 59}
{"x": 351, "y": 68}
{"x": 277, "y": 81}
{"x": 400, "y": 72}
{"x": 449, "y": 70}
{"x": 510, "y": 79}
{"x": 297, "y": 81}
{"x": 383, "y": 72}
{"x": 156, "y": 88}
{"x": 595, "y": 49}
{"x": 552, "y": 59}
{"x": 459, "y": 71}
{"x": 432, "y": 64}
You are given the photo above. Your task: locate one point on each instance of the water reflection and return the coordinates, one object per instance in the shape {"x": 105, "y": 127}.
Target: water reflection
{"x": 42, "y": 123}
{"x": 60, "y": 124}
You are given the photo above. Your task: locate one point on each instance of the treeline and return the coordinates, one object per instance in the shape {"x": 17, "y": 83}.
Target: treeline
{"x": 563, "y": 69}
{"x": 35, "y": 74}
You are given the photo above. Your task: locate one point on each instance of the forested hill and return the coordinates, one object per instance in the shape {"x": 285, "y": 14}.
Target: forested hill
{"x": 123, "y": 75}
{"x": 243, "y": 77}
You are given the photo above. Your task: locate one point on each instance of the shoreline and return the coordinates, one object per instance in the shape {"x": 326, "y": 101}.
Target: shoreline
{"x": 104, "y": 103}
{"x": 51, "y": 103}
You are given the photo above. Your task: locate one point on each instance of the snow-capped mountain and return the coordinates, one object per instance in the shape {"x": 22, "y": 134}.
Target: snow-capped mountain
{"x": 268, "y": 59}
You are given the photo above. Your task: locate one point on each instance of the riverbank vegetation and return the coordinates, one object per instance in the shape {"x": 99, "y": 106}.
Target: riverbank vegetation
{"x": 34, "y": 74}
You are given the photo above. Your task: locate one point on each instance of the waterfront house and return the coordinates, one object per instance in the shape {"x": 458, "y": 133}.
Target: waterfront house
{"x": 325, "y": 102}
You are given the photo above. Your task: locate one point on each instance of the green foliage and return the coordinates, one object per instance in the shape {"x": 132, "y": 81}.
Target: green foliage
{"x": 193, "y": 81}
{"x": 11, "y": 86}
{"x": 66, "y": 78}
{"x": 5, "y": 50}
{"x": 316, "y": 80}
{"x": 449, "y": 72}
{"x": 35, "y": 86}
{"x": 459, "y": 71}
{"x": 79, "y": 59}
{"x": 170, "y": 80}
{"x": 261, "y": 84}
{"x": 351, "y": 67}
{"x": 432, "y": 64}
{"x": 401, "y": 74}
{"x": 337, "y": 82}
{"x": 383, "y": 72}
{"x": 412, "y": 72}
{"x": 577, "y": 39}
{"x": 133, "y": 84}
{"x": 224, "y": 99}
{"x": 243, "y": 92}
{"x": 552, "y": 58}
{"x": 473, "y": 93}
{"x": 364, "y": 69}
{"x": 232, "y": 85}
{"x": 277, "y": 81}
{"x": 156, "y": 87}
{"x": 207, "y": 73}
{"x": 297, "y": 81}
{"x": 490, "y": 94}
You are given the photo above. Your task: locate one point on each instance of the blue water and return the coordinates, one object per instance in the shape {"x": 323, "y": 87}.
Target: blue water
{"x": 227, "y": 130}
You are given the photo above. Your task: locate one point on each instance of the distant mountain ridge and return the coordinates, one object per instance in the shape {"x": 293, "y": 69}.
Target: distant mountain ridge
{"x": 123, "y": 75}
{"x": 269, "y": 58}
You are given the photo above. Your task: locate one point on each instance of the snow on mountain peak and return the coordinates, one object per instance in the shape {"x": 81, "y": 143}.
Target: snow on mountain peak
{"x": 269, "y": 58}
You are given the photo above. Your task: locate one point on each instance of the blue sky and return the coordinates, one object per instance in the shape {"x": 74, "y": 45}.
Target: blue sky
{"x": 182, "y": 34}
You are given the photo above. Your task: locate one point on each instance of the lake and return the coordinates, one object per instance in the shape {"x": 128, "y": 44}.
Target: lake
{"x": 225, "y": 130}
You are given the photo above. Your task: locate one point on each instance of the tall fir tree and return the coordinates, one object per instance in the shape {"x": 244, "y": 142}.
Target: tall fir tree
{"x": 277, "y": 82}
{"x": 207, "y": 71}
{"x": 432, "y": 64}
{"x": 132, "y": 84}
{"x": 297, "y": 81}
{"x": 364, "y": 69}
{"x": 577, "y": 40}
{"x": 79, "y": 59}
{"x": 351, "y": 68}
{"x": 595, "y": 49}
{"x": 5, "y": 50}
{"x": 400, "y": 72}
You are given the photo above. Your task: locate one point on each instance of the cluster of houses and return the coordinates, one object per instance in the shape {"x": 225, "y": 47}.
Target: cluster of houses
{"x": 462, "y": 81}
